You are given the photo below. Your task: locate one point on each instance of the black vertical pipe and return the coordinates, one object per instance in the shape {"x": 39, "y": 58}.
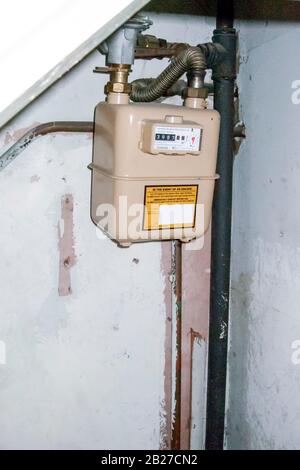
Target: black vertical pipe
{"x": 225, "y": 14}
{"x": 224, "y": 75}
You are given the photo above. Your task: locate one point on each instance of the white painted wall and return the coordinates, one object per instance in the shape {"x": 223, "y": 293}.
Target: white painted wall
{"x": 72, "y": 377}
{"x": 84, "y": 371}
{"x": 264, "y": 375}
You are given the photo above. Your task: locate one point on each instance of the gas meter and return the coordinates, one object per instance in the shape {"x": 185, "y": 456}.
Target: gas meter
{"x": 153, "y": 168}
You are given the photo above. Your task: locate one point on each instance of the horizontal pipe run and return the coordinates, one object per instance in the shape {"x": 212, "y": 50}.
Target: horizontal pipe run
{"x": 43, "y": 129}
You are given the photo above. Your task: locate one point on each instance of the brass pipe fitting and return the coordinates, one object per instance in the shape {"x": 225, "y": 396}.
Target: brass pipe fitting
{"x": 190, "y": 92}
{"x": 118, "y": 80}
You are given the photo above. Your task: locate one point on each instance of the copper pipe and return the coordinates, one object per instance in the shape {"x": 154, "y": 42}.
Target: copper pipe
{"x": 195, "y": 336}
{"x": 171, "y": 50}
{"x": 177, "y": 261}
{"x": 43, "y": 129}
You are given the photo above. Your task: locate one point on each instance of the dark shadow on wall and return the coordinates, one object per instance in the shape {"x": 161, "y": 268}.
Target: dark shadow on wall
{"x": 272, "y": 10}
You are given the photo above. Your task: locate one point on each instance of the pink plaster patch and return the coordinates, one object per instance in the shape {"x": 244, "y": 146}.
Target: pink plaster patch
{"x": 195, "y": 305}
{"x": 16, "y": 135}
{"x": 166, "y": 419}
{"x": 67, "y": 257}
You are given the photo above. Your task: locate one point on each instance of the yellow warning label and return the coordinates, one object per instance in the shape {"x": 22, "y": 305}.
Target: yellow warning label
{"x": 170, "y": 206}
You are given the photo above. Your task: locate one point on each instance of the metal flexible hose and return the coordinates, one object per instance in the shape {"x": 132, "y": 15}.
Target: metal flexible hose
{"x": 190, "y": 59}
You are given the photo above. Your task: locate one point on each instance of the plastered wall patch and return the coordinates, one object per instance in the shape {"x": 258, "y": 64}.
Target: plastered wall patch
{"x": 67, "y": 257}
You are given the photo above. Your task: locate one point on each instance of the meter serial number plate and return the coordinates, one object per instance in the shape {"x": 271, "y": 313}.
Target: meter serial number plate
{"x": 184, "y": 139}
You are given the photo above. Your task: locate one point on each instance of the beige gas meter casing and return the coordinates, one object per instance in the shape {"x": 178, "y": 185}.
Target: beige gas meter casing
{"x": 153, "y": 171}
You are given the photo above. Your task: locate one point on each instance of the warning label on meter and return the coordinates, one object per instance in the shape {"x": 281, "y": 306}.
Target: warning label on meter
{"x": 170, "y": 206}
